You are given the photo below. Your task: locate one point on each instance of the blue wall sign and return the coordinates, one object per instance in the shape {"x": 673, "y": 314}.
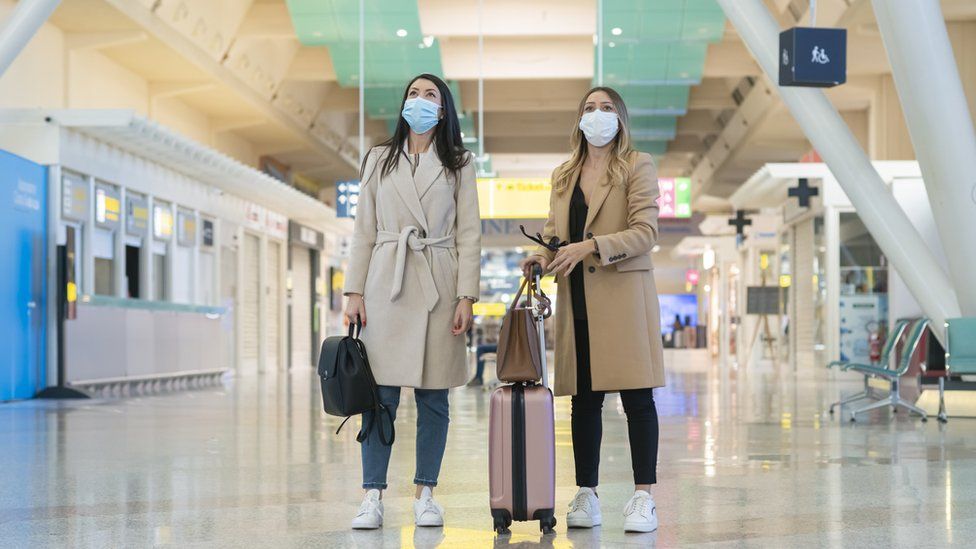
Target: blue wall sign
{"x": 347, "y": 198}
{"x": 813, "y": 57}
{"x": 23, "y": 294}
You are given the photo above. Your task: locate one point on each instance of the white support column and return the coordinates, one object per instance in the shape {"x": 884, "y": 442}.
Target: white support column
{"x": 22, "y": 24}
{"x": 833, "y": 140}
{"x": 832, "y": 271}
{"x": 939, "y": 122}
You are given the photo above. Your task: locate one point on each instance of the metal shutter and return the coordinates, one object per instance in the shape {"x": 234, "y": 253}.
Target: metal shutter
{"x": 301, "y": 308}
{"x": 273, "y": 306}
{"x": 249, "y": 311}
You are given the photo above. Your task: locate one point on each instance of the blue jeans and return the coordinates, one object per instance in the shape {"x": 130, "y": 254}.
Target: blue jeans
{"x": 432, "y": 422}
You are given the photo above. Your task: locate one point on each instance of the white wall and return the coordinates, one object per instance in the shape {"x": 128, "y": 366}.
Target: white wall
{"x": 46, "y": 75}
{"x": 29, "y": 82}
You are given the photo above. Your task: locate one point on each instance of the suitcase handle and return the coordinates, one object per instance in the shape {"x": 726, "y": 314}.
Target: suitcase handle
{"x": 541, "y": 312}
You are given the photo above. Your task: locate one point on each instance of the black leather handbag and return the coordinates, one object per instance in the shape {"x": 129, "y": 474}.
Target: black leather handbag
{"x": 348, "y": 387}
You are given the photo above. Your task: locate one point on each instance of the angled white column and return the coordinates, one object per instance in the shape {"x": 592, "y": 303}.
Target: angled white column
{"x": 833, "y": 140}
{"x": 939, "y": 122}
{"x": 20, "y": 26}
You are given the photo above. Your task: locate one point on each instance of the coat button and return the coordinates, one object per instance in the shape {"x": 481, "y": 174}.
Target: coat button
{"x": 592, "y": 269}
{"x": 589, "y": 235}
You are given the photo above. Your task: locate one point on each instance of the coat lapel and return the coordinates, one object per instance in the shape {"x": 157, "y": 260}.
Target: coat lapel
{"x": 596, "y": 200}
{"x": 405, "y": 187}
{"x": 428, "y": 171}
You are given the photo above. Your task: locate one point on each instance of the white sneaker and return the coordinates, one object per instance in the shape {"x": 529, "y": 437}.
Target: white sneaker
{"x": 427, "y": 512}
{"x": 584, "y": 510}
{"x": 370, "y": 515}
{"x": 640, "y": 513}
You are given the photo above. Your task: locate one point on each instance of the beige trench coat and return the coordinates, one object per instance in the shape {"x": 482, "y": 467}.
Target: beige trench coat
{"x": 416, "y": 250}
{"x": 621, "y": 297}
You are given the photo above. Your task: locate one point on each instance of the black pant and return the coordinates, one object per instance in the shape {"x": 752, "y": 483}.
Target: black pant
{"x": 588, "y": 423}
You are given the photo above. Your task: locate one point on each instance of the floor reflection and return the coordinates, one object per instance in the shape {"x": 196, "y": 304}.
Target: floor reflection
{"x": 746, "y": 456}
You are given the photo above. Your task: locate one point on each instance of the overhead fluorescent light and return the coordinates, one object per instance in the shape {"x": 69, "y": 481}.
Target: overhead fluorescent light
{"x": 616, "y": 31}
{"x": 401, "y": 32}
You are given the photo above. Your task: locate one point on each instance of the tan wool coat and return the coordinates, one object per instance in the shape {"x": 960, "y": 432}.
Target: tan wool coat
{"x": 621, "y": 297}
{"x": 416, "y": 250}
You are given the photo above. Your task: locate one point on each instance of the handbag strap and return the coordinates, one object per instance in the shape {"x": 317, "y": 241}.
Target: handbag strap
{"x": 529, "y": 285}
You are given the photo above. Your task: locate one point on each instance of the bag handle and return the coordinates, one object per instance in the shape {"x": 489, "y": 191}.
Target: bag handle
{"x": 532, "y": 292}
{"x": 355, "y": 330}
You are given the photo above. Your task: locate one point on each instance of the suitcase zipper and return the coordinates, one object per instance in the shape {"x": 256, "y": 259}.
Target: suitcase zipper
{"x": 519, "y": 496}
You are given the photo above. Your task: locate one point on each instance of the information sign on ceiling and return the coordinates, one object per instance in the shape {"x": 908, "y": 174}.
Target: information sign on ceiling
{"x": 347, "y": 198}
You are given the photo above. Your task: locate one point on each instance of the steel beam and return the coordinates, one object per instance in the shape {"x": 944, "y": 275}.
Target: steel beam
{"x": 833, "y": 140}
{"x": 939, "y": 122}
{"x": 21, "y": 25}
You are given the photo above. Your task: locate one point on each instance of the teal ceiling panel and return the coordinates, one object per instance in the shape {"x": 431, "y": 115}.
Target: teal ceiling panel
{"x": 655, "y": 100}
{"x": 653, "y": 127}
{"x": 395, "y": 49}
{"x": 653, "y": 147}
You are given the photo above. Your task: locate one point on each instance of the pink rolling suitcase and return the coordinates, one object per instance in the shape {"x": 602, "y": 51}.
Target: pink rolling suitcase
{"x": 521, "y": 449}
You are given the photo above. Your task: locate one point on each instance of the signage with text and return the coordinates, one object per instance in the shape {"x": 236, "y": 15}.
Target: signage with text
{"x": 162, "y": 221}
{"x": 108, "y": 206}
{"x": 347, "y": 198}
{"x": 675, "y": 199}
{"x": 514, "y": 198}
{"x": 136, "y": 215}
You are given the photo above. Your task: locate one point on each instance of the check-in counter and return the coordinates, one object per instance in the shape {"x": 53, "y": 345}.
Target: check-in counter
{"x": 114, "y": 339}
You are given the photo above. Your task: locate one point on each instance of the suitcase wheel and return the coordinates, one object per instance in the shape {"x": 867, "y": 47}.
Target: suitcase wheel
{"x": 548, "y": 525}
{"x": 502, "y": 521}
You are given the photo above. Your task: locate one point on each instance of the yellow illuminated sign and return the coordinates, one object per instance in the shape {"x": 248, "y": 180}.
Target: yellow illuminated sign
{"x": 785, "y": 281}
{"x": 514, "y": 198}
{"x": 489, "y": 309}
{"x": 764, "y": 261}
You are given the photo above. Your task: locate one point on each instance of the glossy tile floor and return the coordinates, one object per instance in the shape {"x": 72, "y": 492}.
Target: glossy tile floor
{"x": 746, "y": 459}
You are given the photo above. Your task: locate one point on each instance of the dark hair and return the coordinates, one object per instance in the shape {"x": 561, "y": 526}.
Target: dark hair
{"x": 447, "y": 135}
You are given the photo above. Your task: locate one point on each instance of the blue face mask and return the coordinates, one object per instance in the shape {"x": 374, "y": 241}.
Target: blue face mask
{"x": 421, "y": 114}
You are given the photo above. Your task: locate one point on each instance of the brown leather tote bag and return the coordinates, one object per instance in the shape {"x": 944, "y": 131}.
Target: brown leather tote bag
{"x": 519, "y": 356}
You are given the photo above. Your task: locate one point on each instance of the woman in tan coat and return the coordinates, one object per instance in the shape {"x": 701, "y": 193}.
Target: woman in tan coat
{"x": 603, "y": 209}
{"x": 415, "y": 266}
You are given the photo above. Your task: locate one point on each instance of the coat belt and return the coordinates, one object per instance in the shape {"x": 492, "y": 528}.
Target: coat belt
{"x": 409, "y": 239}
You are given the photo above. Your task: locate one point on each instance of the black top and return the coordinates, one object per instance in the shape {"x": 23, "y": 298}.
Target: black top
{"x": 577, "y": 223}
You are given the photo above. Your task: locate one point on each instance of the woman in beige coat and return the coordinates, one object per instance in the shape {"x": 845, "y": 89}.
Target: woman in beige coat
{"x": 415, "y": 266}
{"x": 603, "y": 208}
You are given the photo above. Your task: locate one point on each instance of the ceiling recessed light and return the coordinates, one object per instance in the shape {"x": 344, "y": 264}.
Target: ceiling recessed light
{"x": 428, "y": 41}
{"x": 612, "y": 44}
{"x": 401, "y": 32}
{"x": 616, "y": 31}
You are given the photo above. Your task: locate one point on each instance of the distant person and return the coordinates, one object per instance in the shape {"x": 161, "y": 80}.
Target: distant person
{"x": 416, "y": 261}
{"x": 677, "y": 332}
{"x": 604, "y": 202}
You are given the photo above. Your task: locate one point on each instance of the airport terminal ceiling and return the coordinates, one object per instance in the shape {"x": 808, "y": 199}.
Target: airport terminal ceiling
{"x": 277, "y": 78}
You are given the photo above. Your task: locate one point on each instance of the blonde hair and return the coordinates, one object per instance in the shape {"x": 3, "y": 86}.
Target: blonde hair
{"x": 621, "y": 151}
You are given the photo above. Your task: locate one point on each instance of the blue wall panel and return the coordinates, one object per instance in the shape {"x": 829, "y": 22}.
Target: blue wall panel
{"x": 23, "y": 299}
